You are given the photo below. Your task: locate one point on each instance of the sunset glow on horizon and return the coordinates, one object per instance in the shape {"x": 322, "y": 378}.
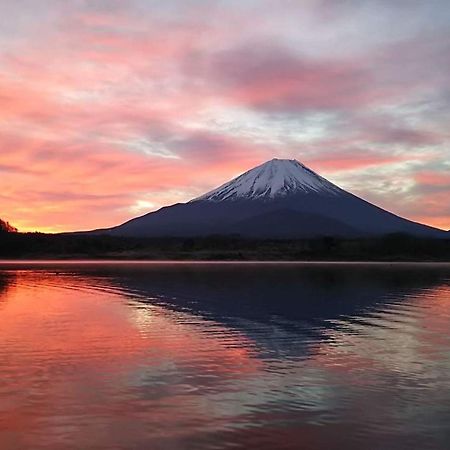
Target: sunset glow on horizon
{"x": 111, "y": 109}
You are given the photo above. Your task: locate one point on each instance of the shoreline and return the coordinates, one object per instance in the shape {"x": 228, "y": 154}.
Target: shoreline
{"x": 37, "y": 262}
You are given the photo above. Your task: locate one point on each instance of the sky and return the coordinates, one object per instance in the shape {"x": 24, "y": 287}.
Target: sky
{"x": 110, "y": 109}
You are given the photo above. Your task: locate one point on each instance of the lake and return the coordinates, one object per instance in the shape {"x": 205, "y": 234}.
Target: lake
{"x": 224, "y": 356}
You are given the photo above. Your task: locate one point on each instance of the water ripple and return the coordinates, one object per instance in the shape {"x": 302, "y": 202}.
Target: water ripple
{"x": 194, "y": 357}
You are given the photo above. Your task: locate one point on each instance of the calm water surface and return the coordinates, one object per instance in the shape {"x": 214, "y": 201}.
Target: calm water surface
{"x": 224, "y": 356}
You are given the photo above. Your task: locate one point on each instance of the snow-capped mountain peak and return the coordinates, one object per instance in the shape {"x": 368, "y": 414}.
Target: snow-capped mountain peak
{"x": 275, "y": 178}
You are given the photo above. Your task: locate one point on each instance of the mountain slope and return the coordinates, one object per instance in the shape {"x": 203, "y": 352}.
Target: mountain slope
{"x": 286, "y": 223}
{"x": 275, "y": 178}
{"x": 278, "y": 198}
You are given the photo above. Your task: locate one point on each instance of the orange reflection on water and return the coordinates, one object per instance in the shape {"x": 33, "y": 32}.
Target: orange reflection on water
{"x": 74, "y": 350}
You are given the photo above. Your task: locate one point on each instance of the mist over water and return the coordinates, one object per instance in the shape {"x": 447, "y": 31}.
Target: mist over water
{"x": 224, "y": 356}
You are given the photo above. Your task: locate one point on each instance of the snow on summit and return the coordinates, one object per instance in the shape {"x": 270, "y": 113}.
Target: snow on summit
{"x": 275, "y": 178}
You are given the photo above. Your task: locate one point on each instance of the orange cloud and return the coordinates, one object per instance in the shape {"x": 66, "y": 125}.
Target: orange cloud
{"x": 105, "y": 110}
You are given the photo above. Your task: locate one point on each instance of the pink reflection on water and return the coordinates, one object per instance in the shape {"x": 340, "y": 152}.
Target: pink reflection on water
{"x": 79, "y": 360}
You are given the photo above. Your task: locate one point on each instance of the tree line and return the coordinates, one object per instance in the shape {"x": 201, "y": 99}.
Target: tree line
{"x": 393, "y": 247}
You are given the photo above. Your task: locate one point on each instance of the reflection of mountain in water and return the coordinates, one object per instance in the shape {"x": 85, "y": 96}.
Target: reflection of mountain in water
{"x": 281, "y": 307}
{"x": 251, "y": 356}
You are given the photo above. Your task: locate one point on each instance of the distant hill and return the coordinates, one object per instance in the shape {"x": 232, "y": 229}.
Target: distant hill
{"x": 278, "y": 199}
{"x": 6, "y": 227}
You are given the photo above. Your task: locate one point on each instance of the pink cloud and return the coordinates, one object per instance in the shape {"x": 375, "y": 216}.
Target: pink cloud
{"x": 351, "y": 160}
{"x": 439, "y": 179}
{"x": 101, "y": 109}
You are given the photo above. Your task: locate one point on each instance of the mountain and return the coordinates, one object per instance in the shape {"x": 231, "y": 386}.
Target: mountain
{"x": 278, "y": 199}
